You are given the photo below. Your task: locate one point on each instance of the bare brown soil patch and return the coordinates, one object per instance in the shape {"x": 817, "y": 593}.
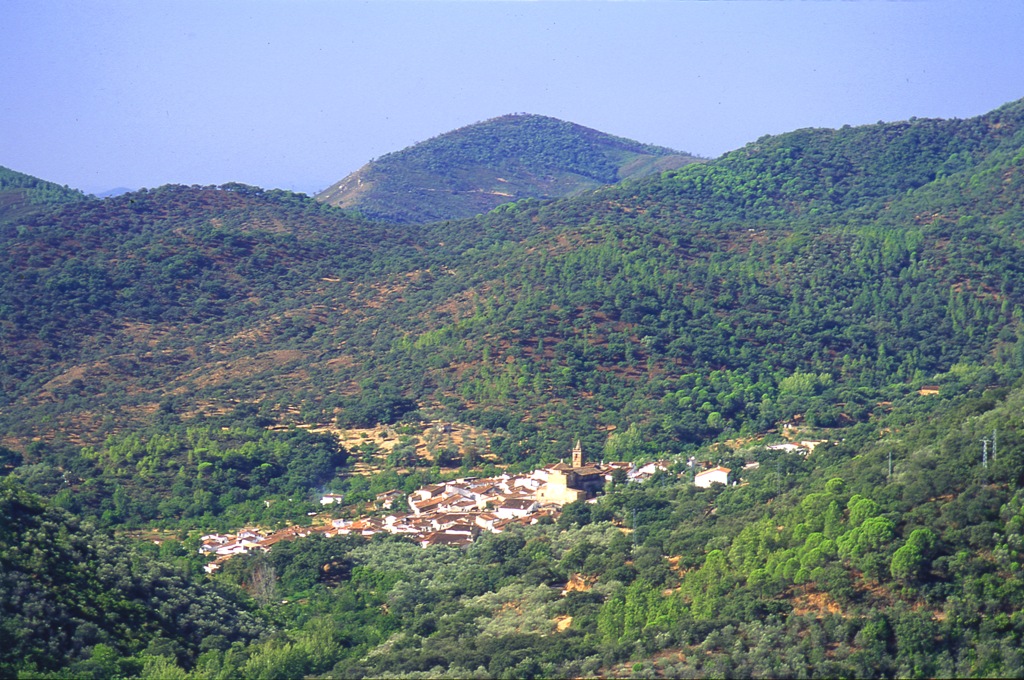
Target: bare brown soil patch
{"x": 383, "y": 436}
{"x": 579, "y": 583}
{"x": 340, "y": 362}
{"x": 244, "y": 367}
{"x": 207, "y": 408}
{"x": 817, "y": 603}
{"x": 64, "y": 379}
{"x": 147, "y": 333}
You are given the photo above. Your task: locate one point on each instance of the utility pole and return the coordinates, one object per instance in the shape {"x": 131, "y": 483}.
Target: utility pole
{"x": 993, "y": 443}
{"x": 984, "y": 452}
{"x": 890, "y": 465}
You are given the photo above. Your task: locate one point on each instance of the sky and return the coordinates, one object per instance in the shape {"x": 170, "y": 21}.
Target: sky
{"x": 296, "y": 94}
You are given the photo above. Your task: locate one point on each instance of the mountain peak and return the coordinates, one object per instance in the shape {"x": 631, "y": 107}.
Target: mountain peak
{"x": 475, "y": 168}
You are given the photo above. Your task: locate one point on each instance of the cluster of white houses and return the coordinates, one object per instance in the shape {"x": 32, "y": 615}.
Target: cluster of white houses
{"x": 456, "y": 512}
{"x": 225, "y": 546}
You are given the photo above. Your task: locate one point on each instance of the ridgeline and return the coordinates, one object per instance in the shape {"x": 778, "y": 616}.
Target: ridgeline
{"x": 863, "y": 287}
{"x": 479, "y": 167}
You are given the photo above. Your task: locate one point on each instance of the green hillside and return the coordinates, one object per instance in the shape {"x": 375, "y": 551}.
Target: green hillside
{"x": 813, "y": 273}
{"x": 827, "y": 565}
{"x": 476, "y": 168}
{"x": 90, "y": 605}
{"x": 824, "y": 566}
{"x": 22, "y": 195}
{"x": 115, "y": 309}
{"x": 862, "y": 287}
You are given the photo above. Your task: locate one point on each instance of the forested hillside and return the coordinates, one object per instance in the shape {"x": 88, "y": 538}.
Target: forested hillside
{"x": 863, "y": 287}
{"x": 84, "y": 602}
{"x": 115, "y": 309}
{"x": 826, "y": 565}
{"x": 812, "y": 273}
{"x": 22, "y": 195}
{"x": 476, "y": 168}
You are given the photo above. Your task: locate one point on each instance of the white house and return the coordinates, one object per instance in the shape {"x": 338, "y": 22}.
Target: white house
{"x": 645, "y": 472}
{"x": 331, "y": 499}
{"x": 788, "y": 448}
{"x": 516, "y": 507}
{"x": 387, "y": 499}
{"x": 235, "y": 548}
{"x": 716, "y": 475}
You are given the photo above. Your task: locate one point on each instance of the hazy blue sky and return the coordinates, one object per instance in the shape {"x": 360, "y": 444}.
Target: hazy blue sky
{"x": 104, "y": 93}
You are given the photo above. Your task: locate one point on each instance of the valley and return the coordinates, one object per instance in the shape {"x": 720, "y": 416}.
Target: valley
{"x": 828, "y": 322}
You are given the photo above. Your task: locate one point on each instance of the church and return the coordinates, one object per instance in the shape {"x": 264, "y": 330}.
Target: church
{"x": 568, "y": 483}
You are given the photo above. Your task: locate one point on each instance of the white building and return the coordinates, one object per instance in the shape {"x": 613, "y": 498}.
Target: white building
{"x": 516, "y": 507}
{"x": 716, "y": 475}
{"x": 788, "y": 448}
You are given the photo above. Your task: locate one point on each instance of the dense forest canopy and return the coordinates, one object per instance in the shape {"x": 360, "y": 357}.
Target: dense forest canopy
{"x": 168, "y": 353}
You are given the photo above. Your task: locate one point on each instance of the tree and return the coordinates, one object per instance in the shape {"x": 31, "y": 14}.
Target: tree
{"x": 910, "y": 560}
{"x": 625, "y": 445}
{"x": 906, "y": 563}
{"x": 8, "y": 460}
{"x": 577, "y": 512}
{"x": 706, "y": 585}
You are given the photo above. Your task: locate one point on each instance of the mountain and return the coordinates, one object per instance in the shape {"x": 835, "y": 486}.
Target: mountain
{"x": 21, "y": 195}
{"x": 476, "y": 168}
{"x": 119, "y": 298}
{"x": 808, "y": 273}
{"x": 117, "y": 191}
{"x": 166, "y": 354}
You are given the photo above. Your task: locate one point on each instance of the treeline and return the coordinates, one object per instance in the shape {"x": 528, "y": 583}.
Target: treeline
{"x": 22, "y": 195}
{"x": 212, "y": 476}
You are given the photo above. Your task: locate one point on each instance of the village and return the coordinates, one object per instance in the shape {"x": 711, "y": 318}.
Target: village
{"x": 455, "y": 512}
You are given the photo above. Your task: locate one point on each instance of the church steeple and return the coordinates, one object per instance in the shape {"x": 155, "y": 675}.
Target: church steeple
{"x": 577, "y": 455}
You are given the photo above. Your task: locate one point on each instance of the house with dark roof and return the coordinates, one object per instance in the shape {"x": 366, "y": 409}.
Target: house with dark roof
{"x": 516, "y": 507}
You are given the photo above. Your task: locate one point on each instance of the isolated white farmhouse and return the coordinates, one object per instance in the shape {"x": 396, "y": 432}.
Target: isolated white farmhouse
{"x": 716, "y": 475}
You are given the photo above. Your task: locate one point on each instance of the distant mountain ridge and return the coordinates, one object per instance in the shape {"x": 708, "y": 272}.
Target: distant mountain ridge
{"x": 788, "y": 255}
{"x": 476, "y": 168}
{"x": 112, "y": 193}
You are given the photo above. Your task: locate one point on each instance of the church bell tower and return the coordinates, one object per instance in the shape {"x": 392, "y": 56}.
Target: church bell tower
{"x": 577, "y": 455}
